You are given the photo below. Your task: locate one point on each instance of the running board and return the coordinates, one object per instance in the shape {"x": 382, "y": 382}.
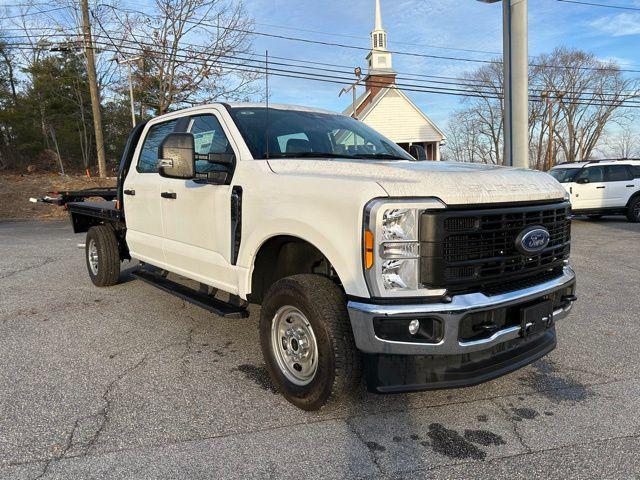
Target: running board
{"x": 201, "y": 299}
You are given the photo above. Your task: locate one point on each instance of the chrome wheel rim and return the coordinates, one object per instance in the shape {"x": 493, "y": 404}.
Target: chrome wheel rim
{"x": 294, "y": 345}
{"x": 92, "y": 256}
{"x": 636, "y": 210}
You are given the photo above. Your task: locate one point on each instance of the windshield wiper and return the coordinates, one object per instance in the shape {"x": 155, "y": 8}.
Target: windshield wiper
{"x": 308, "y": 155}
{"x": 389, "y": 156}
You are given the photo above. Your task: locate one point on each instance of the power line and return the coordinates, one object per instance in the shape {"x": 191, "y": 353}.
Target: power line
{"x": 27, "y": 14}
{"x": 200, "y": 22}
{"x": 466, "y": 84}
{"x": 306, "y": 75}
{"x": 593, "y": 4}
{"x": 361, "y": 37}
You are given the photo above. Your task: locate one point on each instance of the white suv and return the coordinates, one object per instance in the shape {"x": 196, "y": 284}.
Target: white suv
{"x": 602, "y": 187}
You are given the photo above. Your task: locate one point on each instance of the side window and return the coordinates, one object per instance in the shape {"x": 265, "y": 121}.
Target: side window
{"x": 209, "y": 138}
{"x": 593, "y": 174}
{"x": 148, "y": 161}
{"x": 635, "y": 170}
{"x": 617, "y": 173}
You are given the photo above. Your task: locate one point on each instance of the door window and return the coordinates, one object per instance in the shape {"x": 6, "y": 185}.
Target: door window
{"x": 148, "y": 161}
{"x": 617, "y": 173}
{"x": 635, "y": 170}
{"x": 209, "y": 138}
{"x": 593, "y": 174}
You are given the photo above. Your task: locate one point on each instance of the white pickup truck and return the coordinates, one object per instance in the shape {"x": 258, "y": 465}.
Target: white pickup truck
{"x": 419, "y": 275}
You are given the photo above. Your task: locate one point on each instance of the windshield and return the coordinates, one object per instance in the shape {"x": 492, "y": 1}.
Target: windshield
{"x": 564, "y": 175}
{"x": 295, "y": 133}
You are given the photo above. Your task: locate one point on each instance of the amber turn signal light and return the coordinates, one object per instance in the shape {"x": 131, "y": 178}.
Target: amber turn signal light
{"x": 368, "y": 249}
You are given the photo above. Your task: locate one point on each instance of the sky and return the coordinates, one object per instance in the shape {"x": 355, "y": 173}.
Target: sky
{"x": 459, "y": 28}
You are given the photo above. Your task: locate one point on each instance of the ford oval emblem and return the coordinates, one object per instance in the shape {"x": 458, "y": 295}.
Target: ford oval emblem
{"x": 533, "y": 239}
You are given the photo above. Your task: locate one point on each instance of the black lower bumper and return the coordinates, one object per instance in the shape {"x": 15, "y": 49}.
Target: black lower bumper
{"x": 403, "y": 373}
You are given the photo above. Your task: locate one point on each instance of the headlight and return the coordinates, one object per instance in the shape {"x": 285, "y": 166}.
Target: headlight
{"x": 391, "y": 244}
{"x": 399, "y": 224}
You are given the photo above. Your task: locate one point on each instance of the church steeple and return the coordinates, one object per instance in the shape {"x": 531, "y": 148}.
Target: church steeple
{"x": 378, "y": 35}
{"x": 379, "y": 58}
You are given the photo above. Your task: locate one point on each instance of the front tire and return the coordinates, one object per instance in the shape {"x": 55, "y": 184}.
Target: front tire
{"x": 633, "y": 211}
{"x": 103, "y": 256}
{"x": 307, "y": 342}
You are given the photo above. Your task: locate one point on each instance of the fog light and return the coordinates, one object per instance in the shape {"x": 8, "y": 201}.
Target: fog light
{"x": 414, "y": 326}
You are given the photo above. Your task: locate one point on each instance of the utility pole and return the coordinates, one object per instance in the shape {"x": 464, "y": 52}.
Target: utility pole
{"x": 93, "y": 88}
{"x": 551, "y": 125}
{"x": 516, "y": 81}
{"x": 128, "y": 62}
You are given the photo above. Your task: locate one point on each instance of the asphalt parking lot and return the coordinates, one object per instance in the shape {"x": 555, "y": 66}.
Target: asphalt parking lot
{"x": 130, "y": 382}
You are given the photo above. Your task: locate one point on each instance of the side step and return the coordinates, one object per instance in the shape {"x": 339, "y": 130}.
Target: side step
{"x": 201, "y": 299}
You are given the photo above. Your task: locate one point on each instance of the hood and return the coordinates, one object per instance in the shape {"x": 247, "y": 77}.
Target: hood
{"x": 453, "y": 183}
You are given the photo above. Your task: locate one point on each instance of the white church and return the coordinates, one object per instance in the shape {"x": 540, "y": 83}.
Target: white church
{"x": 386, "y": 108}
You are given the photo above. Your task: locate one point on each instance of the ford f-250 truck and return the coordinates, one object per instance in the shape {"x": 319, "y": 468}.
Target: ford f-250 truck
{"x": 419, "y": 275}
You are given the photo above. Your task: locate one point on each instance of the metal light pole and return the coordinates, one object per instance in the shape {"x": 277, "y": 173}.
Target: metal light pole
{"x": 516, "y": 81}
{"x": 128, "y": 62}
{"x": 358, "y": 73}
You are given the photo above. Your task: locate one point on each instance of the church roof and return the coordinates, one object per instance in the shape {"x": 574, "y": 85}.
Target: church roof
{"x": 394, "y": 115}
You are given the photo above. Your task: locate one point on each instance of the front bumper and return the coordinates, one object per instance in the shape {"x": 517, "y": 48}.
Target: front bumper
{"x": 409, "y": 365}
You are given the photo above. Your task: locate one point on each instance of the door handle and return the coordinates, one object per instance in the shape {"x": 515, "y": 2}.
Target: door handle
{"x": 630, "y": 186}
{"x": 171, "y": 195}
{"x": 599, "y": 187}
{"x": 129, "y": 192}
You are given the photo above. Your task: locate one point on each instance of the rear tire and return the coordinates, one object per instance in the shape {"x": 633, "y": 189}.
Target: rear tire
{"x": 302, "y": 317}
{"x": 102, "y": 254}
{"x": 633, "y": 211}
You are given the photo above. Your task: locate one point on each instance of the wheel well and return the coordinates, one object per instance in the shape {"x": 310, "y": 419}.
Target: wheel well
{"x": 633, "y": 197}
{"x": 283, "y": 256}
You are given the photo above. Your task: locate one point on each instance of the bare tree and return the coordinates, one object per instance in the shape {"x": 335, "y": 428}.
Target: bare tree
{"x": 592, "y": 92}
{"x": 584, "y": 95}
{"x": 624, "y": 143}
{"x": 177, "y": 71}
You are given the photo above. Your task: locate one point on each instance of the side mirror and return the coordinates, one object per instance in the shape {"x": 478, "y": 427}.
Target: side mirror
{"x": 225, "y": 159}
{"x": 417, "y": 152}
{"x": 176, "y": 156}
{"x": 582, "y": 180}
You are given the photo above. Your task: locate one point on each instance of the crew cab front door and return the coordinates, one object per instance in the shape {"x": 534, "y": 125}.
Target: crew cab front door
{"x": 141, "y": 200}
{"x": 590, "y": 195}
{"x": 196, "y": 214}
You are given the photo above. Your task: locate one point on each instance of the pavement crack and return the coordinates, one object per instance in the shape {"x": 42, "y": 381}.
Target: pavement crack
{"x": 372, "y": 452}
{"x": 42, "y": 263}
{"x": 63, "y": 452}
{"x": 103, "y": 414}
{"x": 514, "y": 426}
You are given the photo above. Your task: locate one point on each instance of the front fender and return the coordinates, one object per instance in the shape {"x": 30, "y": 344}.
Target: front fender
{"x": 342, "y": 249}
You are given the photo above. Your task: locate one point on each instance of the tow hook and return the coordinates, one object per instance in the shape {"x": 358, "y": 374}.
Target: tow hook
{"x": 568, "y": 298}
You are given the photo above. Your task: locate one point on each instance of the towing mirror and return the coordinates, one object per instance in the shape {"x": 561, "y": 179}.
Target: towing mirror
{"x": 582, "y": 180}
{"x": 225, "y": 159}
{"x": 176, "y": 156}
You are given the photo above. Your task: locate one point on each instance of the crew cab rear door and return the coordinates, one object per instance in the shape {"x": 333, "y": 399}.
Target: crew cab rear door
{"x": 620, "y": 185}
{"x": 141, "y": 197}
{"x": 196, "y": 214}
{"x": 589, "y": 195}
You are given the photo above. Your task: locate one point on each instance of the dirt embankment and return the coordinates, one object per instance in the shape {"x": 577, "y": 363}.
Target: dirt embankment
{"x": 16, "y": 189}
